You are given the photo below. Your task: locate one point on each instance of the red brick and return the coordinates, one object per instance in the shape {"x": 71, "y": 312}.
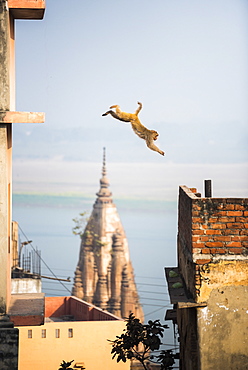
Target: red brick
{"x": 203, "y": 238}
{"x": 241, "y": 219}
{"x": 245, "y": 244}
{"x": 218, "y": 226}
{"x": 213, "y": 250}
{"x": 244, "y": 232}
{"x": 236, "y": 238}
{"x": 193, "y": 190}
{"x": 198, "y": 232}
{"x": 229, "y": 206}
{"x": 214, "y": 244}
{"x": 220, "y": 251}
{"x": 222, "y": 213}
{"x": 220, "y": 206}
{"x": 246, "y": 213}
{"x": 234, "y": 245}
{"x": 239, "y": 207}
{"x": 195, "y": 207}
{"x": 195, "y": 238}
{"x": 195, "y": 213}
{"x": 196, "y": 226}
{"x": 205, "y": 251}
{"x": 235, "y": 225}
{"x": 222, "y": 238}
{"x": 246, "y": 225}
{"x": 231, "y": 232}
{"x": 213, "y": 232}
{"x": 234, "y": 213}
{"x": 202, "y": 262}
{"x": 243, "y": 237}
{"x": 226, "y": 219}
{"x": 198, "y": 245}
{"x": 197, "y": 219}
{"x": 213, "y": 219}
{"x": 236, "y": 250}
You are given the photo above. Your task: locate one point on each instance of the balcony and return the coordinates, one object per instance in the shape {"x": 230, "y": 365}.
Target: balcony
{"x": 27, "y": 9}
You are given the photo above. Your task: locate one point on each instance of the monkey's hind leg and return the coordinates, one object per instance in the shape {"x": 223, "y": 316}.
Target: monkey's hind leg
{"x": 106, "y": 113}
{"x": 113, "y": 114}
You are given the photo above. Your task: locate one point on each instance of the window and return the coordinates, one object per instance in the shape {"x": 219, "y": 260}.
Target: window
{"x": 70, "y": 333}
{"x": 43, "y": 333}
{"x": 30, "y": 334}
{"x": 57, "y": 333}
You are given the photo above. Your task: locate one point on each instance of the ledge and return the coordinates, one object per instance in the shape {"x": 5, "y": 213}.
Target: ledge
{"x": 27, "y": 9}
{"x": 179, "y": 295}
{"x": 21, "y": 117}
{"x": 27, "y": 309}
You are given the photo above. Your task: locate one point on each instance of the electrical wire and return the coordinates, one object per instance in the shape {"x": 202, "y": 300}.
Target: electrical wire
{"x": 43, "y": 260}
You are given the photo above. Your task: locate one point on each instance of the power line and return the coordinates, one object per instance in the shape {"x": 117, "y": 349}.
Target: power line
{"x": 152, "y": 284}
{"x": 149, "y": 277}
{"x": 43, "y": 260}
{"x": 155, "y": 299}
{"x": 149, "y": 291}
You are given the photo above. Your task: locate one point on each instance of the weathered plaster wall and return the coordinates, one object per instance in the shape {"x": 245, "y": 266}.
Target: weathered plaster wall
{"x": 25, "y": 285}
{"x": 223, "y": 329}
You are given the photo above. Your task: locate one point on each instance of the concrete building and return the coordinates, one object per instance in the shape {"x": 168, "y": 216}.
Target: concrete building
{"x": 210, "y": 285}
{"x": 26, "y": 265}
{"x": 10, "y": 10}
{"x": 73, "y": 330}
{"x": 104, "y": 274}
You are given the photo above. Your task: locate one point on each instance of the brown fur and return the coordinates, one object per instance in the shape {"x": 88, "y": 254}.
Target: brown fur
{"x": 144, "y": 133}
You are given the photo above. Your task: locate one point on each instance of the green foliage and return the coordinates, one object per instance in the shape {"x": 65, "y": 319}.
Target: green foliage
{"x": 91, "y": 238}
{"x": 80, "y": 223}
{"x": 138, "y": 340}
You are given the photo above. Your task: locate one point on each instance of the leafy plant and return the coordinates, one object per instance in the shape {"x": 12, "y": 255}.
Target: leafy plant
{"x": 79, "y": 222}
{"x": 139, "y": 340}
{"x": 91, "y": 237}
{"x": 66, "y": 365}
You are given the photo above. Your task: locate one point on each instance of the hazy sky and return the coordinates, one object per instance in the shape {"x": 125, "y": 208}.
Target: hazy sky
{"x": 185, "y": 60}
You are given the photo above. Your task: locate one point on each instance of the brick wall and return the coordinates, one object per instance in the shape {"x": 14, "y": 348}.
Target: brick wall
{"x": 209, "y": 230}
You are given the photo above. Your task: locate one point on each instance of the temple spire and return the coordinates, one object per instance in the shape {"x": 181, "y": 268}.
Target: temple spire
{"x": 104, "y": 194}
{"x": 105, "y": 274}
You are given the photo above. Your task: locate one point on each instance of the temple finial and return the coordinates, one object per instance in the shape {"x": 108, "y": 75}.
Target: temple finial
{"x": 104, "y": 171}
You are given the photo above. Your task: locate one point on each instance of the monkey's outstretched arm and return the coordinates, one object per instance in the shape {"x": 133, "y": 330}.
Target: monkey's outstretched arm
{"x": 138, "y": 109}
{"x": 152, "y": 146}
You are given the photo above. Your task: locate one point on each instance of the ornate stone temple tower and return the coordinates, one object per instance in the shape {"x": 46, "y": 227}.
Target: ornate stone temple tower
{"x": 104, "y": 274}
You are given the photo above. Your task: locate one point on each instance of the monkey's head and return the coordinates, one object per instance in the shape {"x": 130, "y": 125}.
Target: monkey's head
{"x": 155, "y": 135}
